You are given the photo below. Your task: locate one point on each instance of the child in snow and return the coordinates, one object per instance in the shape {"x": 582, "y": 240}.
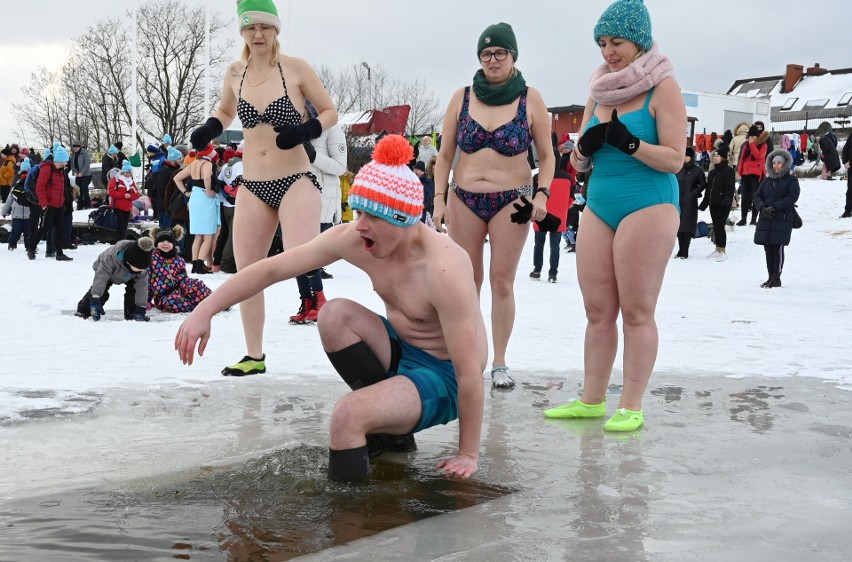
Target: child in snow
{"x": 170, "y": 289}
{"x": 125, "y": 263}
{"x": 18, "y": 206}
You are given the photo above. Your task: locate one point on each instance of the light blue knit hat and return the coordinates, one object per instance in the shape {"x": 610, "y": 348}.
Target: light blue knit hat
{"x": 628, "y": 19}
{"x": 25, "y": 165}
{"x": 173, "y": 155}
{"x": 167, "y": 139}
{"x": 112, "y": 149}
{"x": 126, "y": 166}
{"x": 60, "y": 154}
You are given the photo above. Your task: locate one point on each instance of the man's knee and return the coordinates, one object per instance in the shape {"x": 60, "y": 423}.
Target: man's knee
{"x": 358, "y": 365}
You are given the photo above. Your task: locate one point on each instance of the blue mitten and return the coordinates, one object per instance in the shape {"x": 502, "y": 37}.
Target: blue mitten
{"x": 96, "y": 308}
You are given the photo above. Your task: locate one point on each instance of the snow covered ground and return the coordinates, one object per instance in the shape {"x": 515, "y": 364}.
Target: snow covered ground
{"x": 713, "y": 319}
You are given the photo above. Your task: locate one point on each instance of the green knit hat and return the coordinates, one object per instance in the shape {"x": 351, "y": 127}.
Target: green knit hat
{"x": 628, "y": 19}
{"x": 498, "y": 35}
{"x": 251, "y": 12}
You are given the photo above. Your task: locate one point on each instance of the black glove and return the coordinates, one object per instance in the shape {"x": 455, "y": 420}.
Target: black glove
{"x": 768, "y": 212}
{"x": 550, "y": 223}
{"x": 592, "y": 140}
{"x": 524, "y": 211}
{"x": 96, "y": 308}
{"x": 312, "y": 152}
{"x": 619, "y": 136}
{"x": 697, "y": 192}
{"x": 201, "y": 137}
{"x": 138, "y": 314}
{"x": 291, "y": 135}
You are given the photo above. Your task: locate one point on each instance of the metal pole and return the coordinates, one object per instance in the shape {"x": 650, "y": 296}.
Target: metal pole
{"x": 135, "y": 66}
{"x": 206, "y": 63}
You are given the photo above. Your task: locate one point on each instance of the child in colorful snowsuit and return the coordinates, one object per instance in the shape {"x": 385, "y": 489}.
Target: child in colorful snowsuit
{"x": 170, "y": 289}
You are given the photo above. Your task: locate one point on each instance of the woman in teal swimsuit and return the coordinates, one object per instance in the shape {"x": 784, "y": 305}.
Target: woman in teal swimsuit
{"x": 264, "y": 89}
{"x": 634, "y": 135}
{"x": 493, "y": 124}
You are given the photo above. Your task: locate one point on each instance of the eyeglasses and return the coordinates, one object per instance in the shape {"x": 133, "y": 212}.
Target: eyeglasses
{"x": 499, "y": 55}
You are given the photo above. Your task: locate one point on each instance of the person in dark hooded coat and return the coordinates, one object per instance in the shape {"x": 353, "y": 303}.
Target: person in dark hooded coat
{"x": 691, "y": 181}
{"x": 830, "y": 158}
{"x": 775, "y": 200}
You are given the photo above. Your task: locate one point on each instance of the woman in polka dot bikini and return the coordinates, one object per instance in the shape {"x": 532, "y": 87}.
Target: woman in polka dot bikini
{"x": 276, "y": 185}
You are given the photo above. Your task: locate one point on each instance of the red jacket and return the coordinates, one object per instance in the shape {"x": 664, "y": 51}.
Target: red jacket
{"x": 560, "y": 200}
{"x": 753, "y": 158}
{"x": 119, "y": 192}
{"x": 50, "y": 185}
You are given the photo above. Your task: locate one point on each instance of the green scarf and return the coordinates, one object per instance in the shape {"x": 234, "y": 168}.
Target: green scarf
{"x": 501, "y": 94}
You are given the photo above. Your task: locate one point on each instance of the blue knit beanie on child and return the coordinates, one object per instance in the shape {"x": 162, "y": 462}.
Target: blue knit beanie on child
{"x": 628, "y": 19}
{"x": 126, "y": 166}
{"x": 173, "y": 155}
{"x": 167, "y": 139}
{"x": 59, "y": 153}
{"x": 25, "y": 165}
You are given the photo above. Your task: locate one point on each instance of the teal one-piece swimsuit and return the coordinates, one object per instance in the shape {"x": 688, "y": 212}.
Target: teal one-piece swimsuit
{"x": 621, "y": 184}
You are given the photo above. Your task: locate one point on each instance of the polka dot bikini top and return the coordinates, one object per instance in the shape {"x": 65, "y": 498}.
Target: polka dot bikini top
{"x": 279, "y": 112}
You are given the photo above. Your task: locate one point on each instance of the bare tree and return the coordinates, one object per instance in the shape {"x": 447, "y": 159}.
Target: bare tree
{"x": 90, "y": 96}
{"x": 350, "y": 89}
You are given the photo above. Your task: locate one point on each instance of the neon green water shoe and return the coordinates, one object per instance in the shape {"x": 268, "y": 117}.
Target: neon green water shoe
{"x": 246, "y": 366}
{"x": 576, "y": 409}
{"x": 625, "y": 420}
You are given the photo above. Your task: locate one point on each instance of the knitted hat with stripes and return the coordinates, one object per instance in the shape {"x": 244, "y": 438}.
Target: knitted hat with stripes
{"x": 385, "y": 187}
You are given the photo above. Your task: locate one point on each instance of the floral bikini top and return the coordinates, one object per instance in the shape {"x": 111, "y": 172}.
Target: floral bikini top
{"x": 279, "y": 112}
{"x": 510, "y": 139}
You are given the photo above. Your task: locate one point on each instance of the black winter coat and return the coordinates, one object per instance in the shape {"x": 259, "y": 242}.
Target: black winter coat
{"x": 721, "y": 184}
{"x": 157, "y": 187}
{"x": 691, "y": 181}
{"x": 829, "y": 153}
{"x": 846, "y": 149}
{"x": 780, "y": 191}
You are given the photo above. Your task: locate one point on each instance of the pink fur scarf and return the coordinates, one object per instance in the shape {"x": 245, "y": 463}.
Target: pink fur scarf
{"x": 614, "y": 88}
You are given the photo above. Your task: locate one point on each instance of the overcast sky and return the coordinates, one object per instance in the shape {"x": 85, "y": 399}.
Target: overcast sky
{"x": 712, "y": 43}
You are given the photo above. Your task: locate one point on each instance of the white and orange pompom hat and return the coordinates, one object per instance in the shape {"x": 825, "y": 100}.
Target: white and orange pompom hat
{"x": 385, "y": 187}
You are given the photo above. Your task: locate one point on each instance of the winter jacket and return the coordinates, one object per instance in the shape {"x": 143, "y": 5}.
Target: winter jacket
{"x": 118, "y": 191}
{"x": 560, "y": 199}
{"x": 345, "y": 186}
{"x": 107, "y": 164}
{"x": 157, "y": 187}
{"x": 736, "y": 144}
{"x": 7, "y": 171}
{"x": 780, "y": 191}
{"x": 829, "y": 153}
{"x": 328, "y": 165}
{"x": 752, "y": 160}
{"x": 12, "y": 207}
{"x": 170, "y": 288}
{"x": 426, "y": 154}
{"x": 50, "y": 186}
{"x": 846, "y": 149}
{"x": 181, "y": 214}
{"x": 691, "y": 181}
{"x": 230, "y": 172}
{"x": 721, "y": 185}
{"x": 110, "y": 267}
{"x": 81, "y": 162}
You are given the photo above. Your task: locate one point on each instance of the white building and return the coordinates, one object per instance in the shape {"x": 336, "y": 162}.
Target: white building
{"x": 717, "y": 113}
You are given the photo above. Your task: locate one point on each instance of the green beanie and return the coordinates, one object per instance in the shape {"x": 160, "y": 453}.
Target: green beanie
{"x": 628, "y": 19}
{"x": 251, "y": 12}
{"x": 498, "y": 35}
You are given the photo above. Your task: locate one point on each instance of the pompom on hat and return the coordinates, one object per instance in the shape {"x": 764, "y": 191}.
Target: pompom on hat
{"x": 251, "y": 12}
{"x": 628, "y": 19}
{"x": 385, "y": 187}
{"x": 167, "y": 234}
{"x": 139, "y": 254}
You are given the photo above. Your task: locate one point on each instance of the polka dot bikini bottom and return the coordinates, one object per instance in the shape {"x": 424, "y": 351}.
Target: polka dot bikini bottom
{"x": 272, "y": 192}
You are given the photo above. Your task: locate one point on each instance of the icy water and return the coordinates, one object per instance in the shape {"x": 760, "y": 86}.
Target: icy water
{"x": 275, "y": 507}
{"x": 725, "y": 469}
